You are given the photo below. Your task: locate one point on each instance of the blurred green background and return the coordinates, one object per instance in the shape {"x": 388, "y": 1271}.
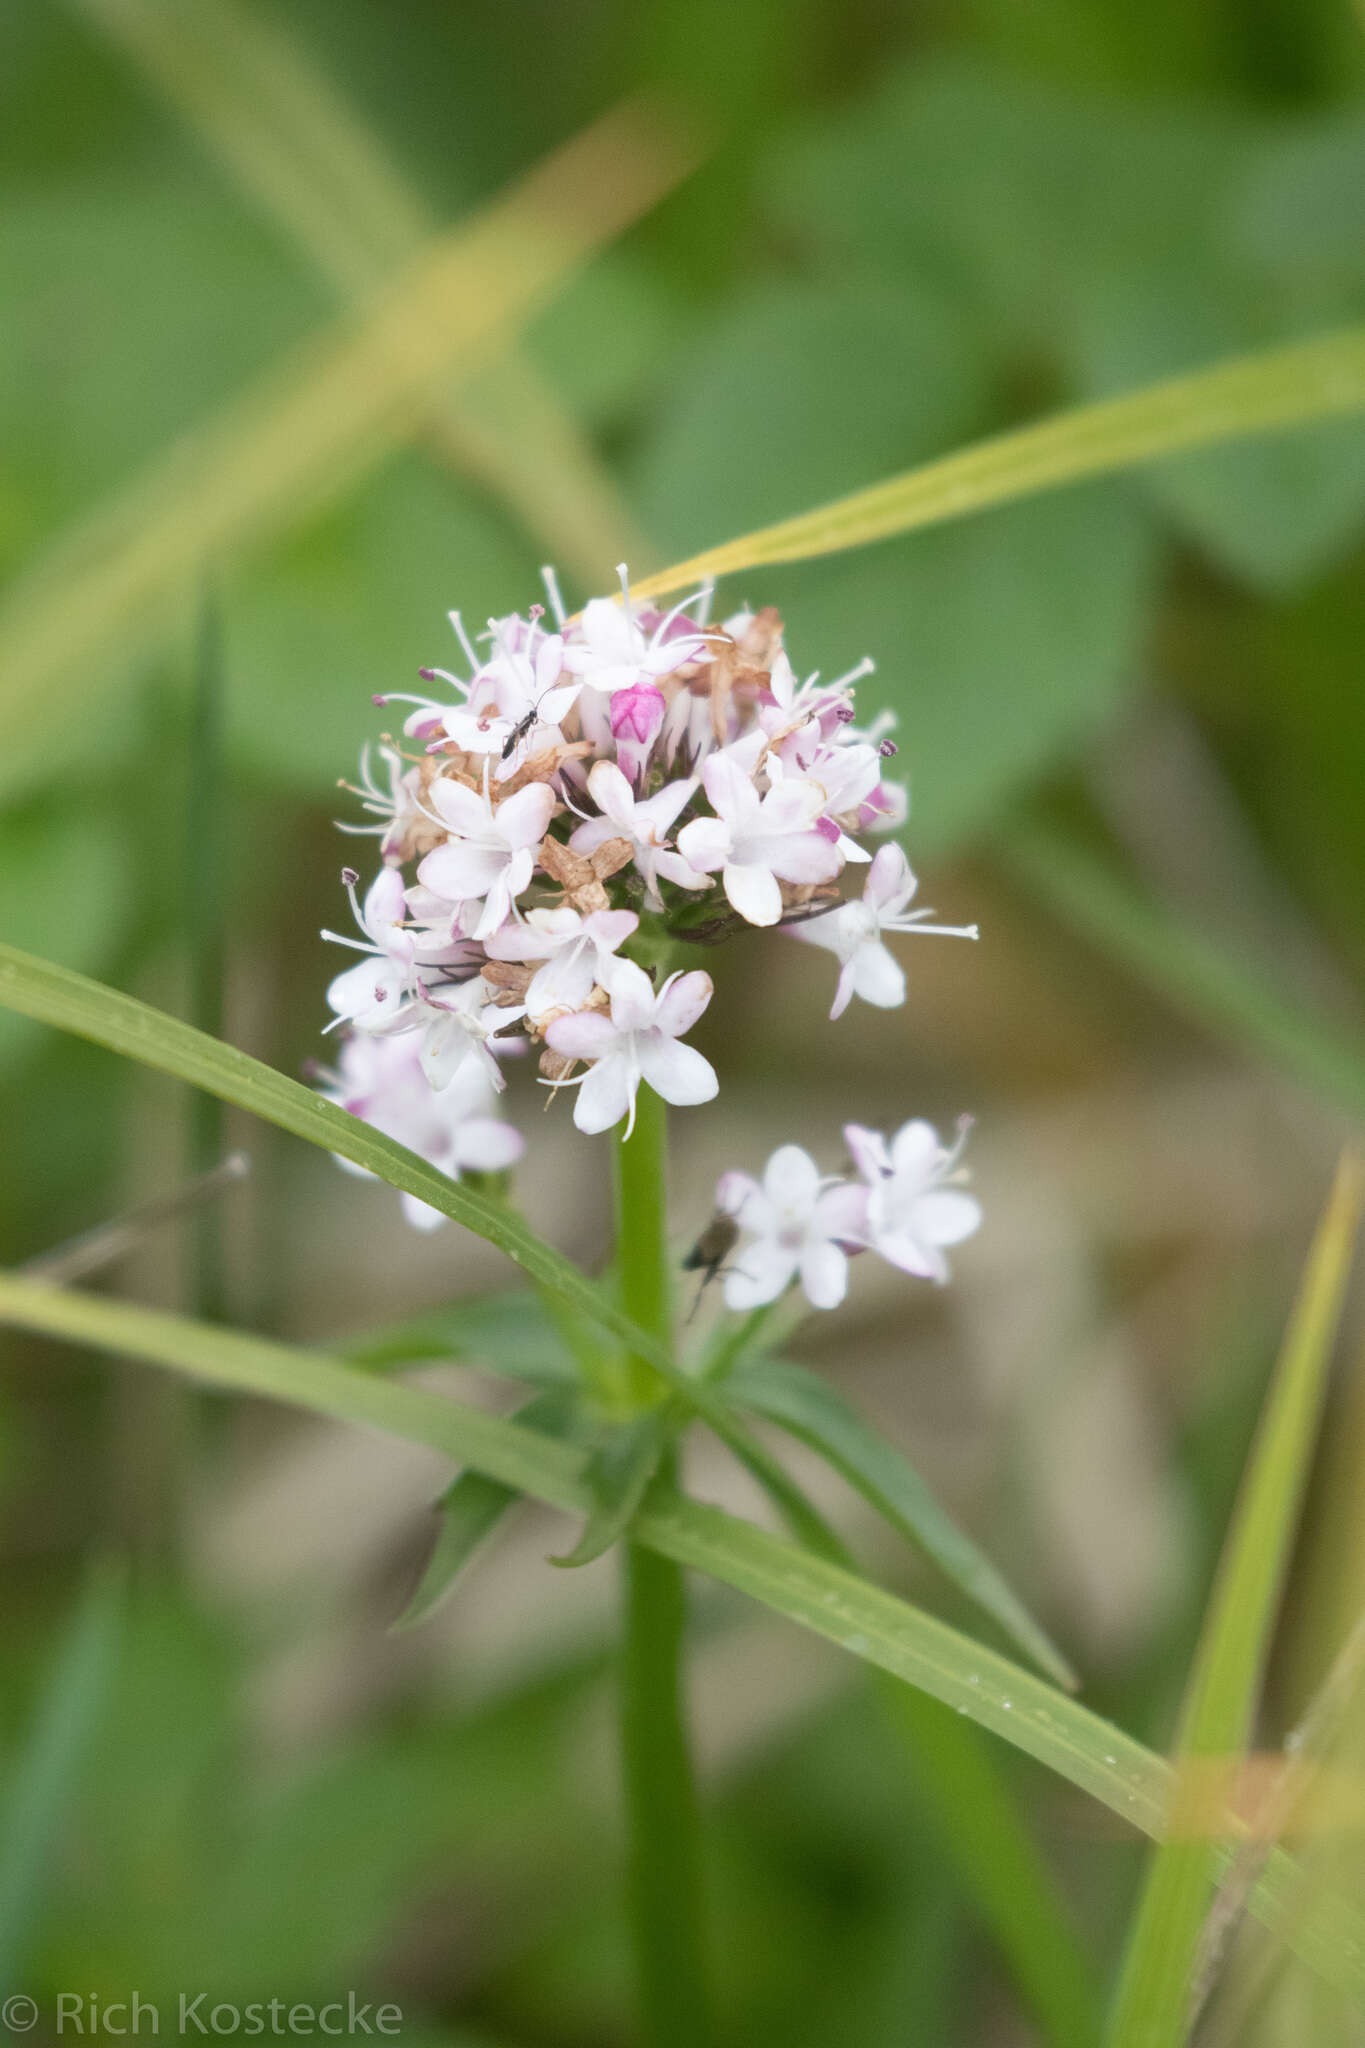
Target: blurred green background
{"x": 910, "y": 226}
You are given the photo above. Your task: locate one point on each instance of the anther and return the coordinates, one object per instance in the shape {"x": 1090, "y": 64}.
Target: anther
{"x": 349, "y": 877}
{"x": 888, "y": 749}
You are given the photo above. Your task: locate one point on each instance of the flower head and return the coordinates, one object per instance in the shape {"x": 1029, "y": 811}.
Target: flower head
{"x": 853, "y": 933}
{"x": 801, "y": 1224}
{"x": 636, "y": 1040}
{"x": 913, "y": 1210}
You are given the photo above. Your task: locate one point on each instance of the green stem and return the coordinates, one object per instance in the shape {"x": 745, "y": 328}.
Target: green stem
{"x": 664, "y": 1852}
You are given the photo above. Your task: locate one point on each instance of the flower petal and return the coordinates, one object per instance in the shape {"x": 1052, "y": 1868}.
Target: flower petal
{"x": 759, "y": 1274}
{"x": 878, "y": 976}
{"x": 521, "y": 819}
{"x": 461, "y": 869}
{"x": 945, "y": 1216}
{"x": 791, "y": 1179}
{"x": 483, "y": 1145}
{"x": 585, "y": 1035}
{"x": 803, "y": 857}
{"x": 679, "y": 1073}
{"x": 460, "y": 807}
{"x": 613, "y": 795}
{"x": 606, "y": 1095}
{"x": 706, "y": 844}
{"x": 681, "y": 1001}
{"x": 824, "y": 1273}
{"x": 753, "y": 892}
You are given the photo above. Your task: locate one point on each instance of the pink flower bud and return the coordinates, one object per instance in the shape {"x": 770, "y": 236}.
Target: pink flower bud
{"x": 637, "y": 714}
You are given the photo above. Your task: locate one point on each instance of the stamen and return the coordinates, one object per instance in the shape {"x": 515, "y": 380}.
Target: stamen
{"x": 551, "y": 582}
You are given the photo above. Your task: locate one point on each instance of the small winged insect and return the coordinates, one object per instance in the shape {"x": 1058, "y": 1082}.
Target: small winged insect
{"x": 711, "y": 1250}
{"x": 521, "y": 728}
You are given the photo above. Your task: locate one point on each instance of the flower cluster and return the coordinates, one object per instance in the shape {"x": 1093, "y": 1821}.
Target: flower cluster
{"x": 903, "y": 1202}
{"x": 584, "y": 795}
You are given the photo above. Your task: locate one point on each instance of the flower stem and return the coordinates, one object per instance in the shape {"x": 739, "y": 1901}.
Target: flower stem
{"x": 663, "y": 1848}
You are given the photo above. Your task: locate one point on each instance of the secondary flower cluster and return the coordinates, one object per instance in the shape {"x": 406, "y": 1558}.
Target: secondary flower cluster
{"x": 582, "y": 796}
{"x": 904, "y": 1203}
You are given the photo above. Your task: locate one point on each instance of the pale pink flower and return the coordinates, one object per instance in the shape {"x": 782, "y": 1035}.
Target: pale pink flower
{"x": 637, "y": 1041}
{"x": 801, "y": 1223}
{"x": 577, "y": 952}
{"x": 611, "y": 650}
{"x": 381, "y": 1081}
{"x": 912, "y": 1210}
{"x": 853, "y": 933}
{"x": 461, "y": 1022}
{"x": 756, "y": 841}
{"x": 491, "y": 853}
{"x": 646, "y": 824}
{"x": 637, "y": 716}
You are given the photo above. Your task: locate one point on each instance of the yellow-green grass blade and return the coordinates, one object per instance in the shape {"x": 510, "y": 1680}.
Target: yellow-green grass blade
{"x": 1153, "y": 2001}
{"x": 1218, "y": 991}
{"x": 861, "y": 1618}
{"x": 1254, "y": 394}
{"x": 292, "y": 142}
{"x": 316, "y": 425}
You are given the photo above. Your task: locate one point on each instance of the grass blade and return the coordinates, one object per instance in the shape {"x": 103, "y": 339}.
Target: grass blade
{"x": 56, "y": 995}
{"x": 303, "y": 154}
{"x": 1255, "y": 394}
{"x": 1216, "y": 990}
{"x": 43, "y": 1773}
{"x": 470, "y": 1510}
{"x": 859, "y": 1617}
{"x": 1152, "y": 2004}
{"x": 327, "y": 418}
{"x": 819, "y": 1416}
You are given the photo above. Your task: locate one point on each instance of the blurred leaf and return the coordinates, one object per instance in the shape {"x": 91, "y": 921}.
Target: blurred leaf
{"x": 1015, "y": 636}
{"x": 68, "y": 890}
{"x": 958, "y": 1787}
{"x": 818, "y": 1415}
{"x": 332, "y": 414}
{"x": 1255, "y": 394}
{"x": 470, "y": 1510}
{"x": 1108, "y": 242}
{"x": 42, "y": 1777}
{"x": 619, "y": 1474}
{"x": 802, "y": 390}
{"x": 509, "y": 1333}
{"x": 1152, "y": 2003}
{"x": 849, "y": 1611}
{"x": 306, "y": 156}
{"x": 1217, "y": 989}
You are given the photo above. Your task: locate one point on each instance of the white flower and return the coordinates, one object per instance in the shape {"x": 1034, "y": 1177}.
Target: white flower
{"x": 612, "y": 650}
{"x": 491, "y": 851}
{"x": 853, "y": 933}
{"x": 637, "y": 1041}
{"x": 381, "y": 1080}
{"x": 575, "y": 949}
{"x": 645, "y": 824}
{"x": 800, "y": 1222}
{"x": 755, "y": 841}
{"x": 912, "y": 1212}
{"x": 460, "y": 1024}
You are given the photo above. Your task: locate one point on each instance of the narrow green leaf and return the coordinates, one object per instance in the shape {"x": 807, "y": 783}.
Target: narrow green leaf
{"x": 619, "y": 1474}
{"x": 859, "y": 1617}
{"x": 819, "y": 1416}
{"x": 72, "y": 1002}
{"x": 470, "y": 1510}
{"x": 1255, "y": 394}
{"x": 508, "y": 1333}
{"x": 966, "y": 1800}
{"x": 1218, "y": 991}
{"x": 43, "y": 1772}
{"x": 1152, "y": 2008}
